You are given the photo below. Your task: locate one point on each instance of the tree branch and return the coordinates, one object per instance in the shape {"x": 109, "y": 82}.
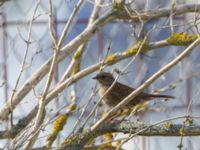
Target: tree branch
{"x": 160, "y": 12}
{"x": 43, "y": 70}
{"x": 81, "y": 139}
{"x": 84, "y": 36}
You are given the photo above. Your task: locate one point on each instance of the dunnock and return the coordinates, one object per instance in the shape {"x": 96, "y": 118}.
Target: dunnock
{"x": 119, "y": 91}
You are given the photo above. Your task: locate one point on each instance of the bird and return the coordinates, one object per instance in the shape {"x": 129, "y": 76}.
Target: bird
{"x": 119, "y": 91}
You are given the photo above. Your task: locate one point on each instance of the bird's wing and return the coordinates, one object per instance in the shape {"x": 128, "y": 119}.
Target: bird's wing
{"x": 127, "y": 90}
{"x": 122, "y": 90}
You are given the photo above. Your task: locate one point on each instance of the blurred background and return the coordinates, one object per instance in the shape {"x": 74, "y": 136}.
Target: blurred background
{"x": 182, "y": 81}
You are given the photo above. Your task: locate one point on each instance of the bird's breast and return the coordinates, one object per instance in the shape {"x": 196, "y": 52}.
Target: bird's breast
{"x": 108, "y": 99}
{"x": 102, "y": 90}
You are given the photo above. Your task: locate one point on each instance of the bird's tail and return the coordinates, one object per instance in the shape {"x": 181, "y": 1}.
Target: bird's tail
{"x": 161, "y": 96}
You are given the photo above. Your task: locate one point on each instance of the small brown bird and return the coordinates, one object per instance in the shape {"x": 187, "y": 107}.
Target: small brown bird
{"x": 120, "y": 91}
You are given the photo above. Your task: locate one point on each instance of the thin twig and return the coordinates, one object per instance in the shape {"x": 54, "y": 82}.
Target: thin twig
{"x": 44, "y": 69}
{"x": 40, "y": 113}
{"x": 27, "y": 41}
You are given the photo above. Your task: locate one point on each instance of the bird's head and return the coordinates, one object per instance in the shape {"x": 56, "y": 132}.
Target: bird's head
{"x": 104, "y": 78}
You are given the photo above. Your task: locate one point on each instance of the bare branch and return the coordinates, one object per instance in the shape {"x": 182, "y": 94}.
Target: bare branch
{"x": 42, "y": 71}
{"x": 40, "y": 114}
{"x": 81, "y": 139}
{"x": 84, "y": 36}
{"x": 161, "y": 12}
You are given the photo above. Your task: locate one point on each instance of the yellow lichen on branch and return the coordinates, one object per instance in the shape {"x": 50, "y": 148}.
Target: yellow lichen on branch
{"x": 181, "y": 39}
{"x": 77, "y": 57}
{"x": 118, "y": 5}
{"x": 141, "y": 46}
{"x": 182, "y": 131}
{"x": 108, "y": 137}
{"x": 76, "y": 68}
{"x": 168, "y": 125}
{"x": 110, "y": 59}
{"x": 78, "y": 54}
{"x": 58, "y": 125}
{"x": 69, "y": 140}
{"x": 72, "y": 107}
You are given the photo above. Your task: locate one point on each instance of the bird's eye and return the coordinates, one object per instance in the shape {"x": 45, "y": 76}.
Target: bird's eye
{"x": 103, "y": 77}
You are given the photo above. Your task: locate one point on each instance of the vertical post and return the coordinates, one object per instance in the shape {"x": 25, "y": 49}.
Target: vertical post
{"x": 4, "y": 54}
{"x": 100, "y": 42}
{"x": 188, "y": 101}
{"x": 4, "y": 59}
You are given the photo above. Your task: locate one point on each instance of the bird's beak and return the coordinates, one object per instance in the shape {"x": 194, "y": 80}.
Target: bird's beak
{"x": 94, "y": 77}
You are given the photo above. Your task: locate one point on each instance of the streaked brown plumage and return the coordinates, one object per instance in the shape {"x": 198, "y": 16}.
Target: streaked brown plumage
{"x": 120, "y": 91}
